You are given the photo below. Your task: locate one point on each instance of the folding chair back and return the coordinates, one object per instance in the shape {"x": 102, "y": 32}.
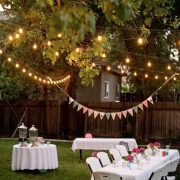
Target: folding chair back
{"x": 115, "y": 154}
{"x": 103, "y": 158}
{"x": 122, "y": 149}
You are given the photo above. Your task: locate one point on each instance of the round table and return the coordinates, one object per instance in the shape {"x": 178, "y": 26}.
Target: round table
{"x": 39, "y": 157}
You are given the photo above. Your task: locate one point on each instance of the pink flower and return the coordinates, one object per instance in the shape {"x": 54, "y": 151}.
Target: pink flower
{"x": 136, "y": 150}
{"x": 129, "y": 157}
{"x": 157, "y": 144}
{"x": 142, "y": 150}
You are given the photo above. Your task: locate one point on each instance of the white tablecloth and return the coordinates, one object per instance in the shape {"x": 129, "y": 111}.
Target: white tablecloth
{"x": 134, "y": 173}
{"x": 40, "y": 157}
{"x": 101, "y": 143}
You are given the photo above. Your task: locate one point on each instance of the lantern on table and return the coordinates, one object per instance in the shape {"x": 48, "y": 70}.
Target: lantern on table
{"x": 33, "y": 135}
{"x": 22, "y": 134}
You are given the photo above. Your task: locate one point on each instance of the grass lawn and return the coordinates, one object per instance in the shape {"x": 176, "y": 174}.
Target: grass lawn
{"x": 69, "y": 166}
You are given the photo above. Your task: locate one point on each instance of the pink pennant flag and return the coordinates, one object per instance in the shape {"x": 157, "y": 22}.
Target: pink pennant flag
{"x": 140, "y": 106}
{"x": 124, "y": 113}
{"x": 130, "y": 111}
{"x": 84, "y": 109}
{"x": 95, "y": 114}
{"x": 150, "y": 99}
{"x": 101, "y": 115}
{"x": 145, "y": 103}
{"x": 119, "y": 114}
{"x": 90, "y": 111}
{"x": 113, "y": 115}
{"x": 79, "y": 107}
{"x": 71, "y": 100}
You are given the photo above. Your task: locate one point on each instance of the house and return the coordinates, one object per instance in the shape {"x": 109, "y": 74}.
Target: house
{"x": 106, "y": 88}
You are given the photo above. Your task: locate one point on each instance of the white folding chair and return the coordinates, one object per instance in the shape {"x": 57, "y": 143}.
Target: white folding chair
{"x": 122, "y": 149}
{"x": 115, "y": 154}
{"x": 103, "y": 158}
{"x": 157, "y": 173}
{"x": 93, "y": 164}
{"x": 98, "y": 175}
{"x": 166, "y": 169}
{"x": 125, "y": 144}
{"x": 173, "y": 167}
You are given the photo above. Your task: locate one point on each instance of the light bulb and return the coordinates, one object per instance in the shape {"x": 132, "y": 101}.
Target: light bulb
{"x": 9, "y": 59}
{"x": 169, "y": 67}
{"x": 127, "y": 60}
{"x": 49, "y": 43}
{"x": 93, "y": 64}
{"x": 57, "y": 54}
{"x": 17, "y": 65}
{"x": 59, "y": 35}
{"x": 40, "y": 79}
{"x": 156, "y": 77}
{"x": 135, "y": 74}
{"x": 35, "y": 77}
{"x": 174, "y": 78}
{"x": 99, "y": 38}
{"x": 17, "y": 35}
{"x": 35, "y": 46}
{"x": 140, "y": 41}
{"x": 165, "y": 77}
{"x": 23, "y": 70}
{"x": 0, "y": 51}
{"x": 122, "y": 71}
{"x": 149, "y": 64}
{"x": 103, "y": 55}
{"x": 77, "y": 49}
{"x": 20, "y": 30}
{"x": 10, "y": 38}
{"x": 146, "y": 75}
{"x": 108, "y": 68}
{"x": 30, "y": 74}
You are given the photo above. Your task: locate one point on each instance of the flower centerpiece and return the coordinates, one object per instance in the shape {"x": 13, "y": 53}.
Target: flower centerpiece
{"x": 142, "y": 152}
{"x": 129, "y": 158}
{"x": 135, "y": 153}
{"x": 154, "y": 147}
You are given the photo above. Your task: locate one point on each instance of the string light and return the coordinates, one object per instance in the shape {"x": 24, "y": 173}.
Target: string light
{"x": 10, "y": 38}
{"x": 156, "y": 77}
{"x": 99, "y": 38}
{"x": 59, "y": 35}
{"x": 127, "y": 60}
{"x": 17, "y": 65}
{"x": 35, "y": 77}
{"x": 108, "y": 68}
{"x": 9, "y": 59}
{"x": 169, "y": 67}
{"x": 20, "y": 30}
{"x": 57, "y": 53}
{"x": 174, "y": 78}
{"x": 93, "y": 64}
{"x": 166, "y": 77}
{"x": 17, "y": 36}
{"x": 149, "y": 64}
{"x": 30, "y": 74}
{"x": 0, "y": 51}
{"x": 49, "y": 43}
{"x": 140, "y": 41}
{"x": 135, "y": 74}
{"x": 146, "y": 75}
{"x": 23, "y": 70}
{"x": 122, "y": 71}
{"x": 34, "y": 46}
{"x": 103, "y": 55}
{"x": 77, "y": 50}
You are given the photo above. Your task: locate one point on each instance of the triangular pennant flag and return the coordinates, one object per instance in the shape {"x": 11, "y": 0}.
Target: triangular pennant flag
{"x": 119, "y": 114}
{"x": 150, "y": 99}
{"x": 130, "y": 111}
{"x": 79, "y": 107}
{"x": 135, "y": 109}
{"x": 84, "y": 109}
{"x": 113, "y": 115}
{"x": 140, "y": 106}
{"x": 71, "y": 100}
{"x": 101, "y": 115}
{"x": 108, "y": 115}
{"x": 124, "y": 113}
{"x": 75, "y": 103}
{"x": 90, "y": 111}
{"x": 96, "y": 114}
{"x": 145, "y": 103}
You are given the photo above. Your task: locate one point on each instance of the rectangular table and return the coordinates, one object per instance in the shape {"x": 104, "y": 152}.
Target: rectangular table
{"x": 134, "y": 173}
{"x": 101, "y": 143}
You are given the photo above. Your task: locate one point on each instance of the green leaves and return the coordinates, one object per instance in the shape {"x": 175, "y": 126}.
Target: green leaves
{"x": 44, "y": 3}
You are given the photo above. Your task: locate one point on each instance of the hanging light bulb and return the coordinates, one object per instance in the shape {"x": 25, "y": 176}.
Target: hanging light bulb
{"x": 30, "y": 74}
{"x": 93, "y": 64}
{"x": 59, "y": 35}
{"x": 156, "y": 77}
{"x": 20, "y": 30}
{"x": 168, "y": 67}
{"x": 23, "y": 70}
{"x": 77, "y": 50}
{"x": 140, "y": 41}
{"x": 34, "y": 46}
{"x": 0, "y": 51}
{"x": 99, "y": 38}
{"x": 166, "y": 77}
{"x": 149, "y": 64}
{"x": 122, "y": 71}
{"x": 9, "y": 59}
{"x": 108, "y": 68}
{"x": 103, "y": 55}
{"x": 17, "y": 65}
{"x": 10, "y": 38}
{"x": 49, "y": 43}
{"x": 135, "y": 74}
{"x": 146, "y": 75}
{"x": 127, "y": 60}
{"x": 57, "y": 53}
{"x": 174, "y": 78}
{"x": 17, "y": 35}
{"x": 35, "y": 77}
{"x": 40, "y": 79}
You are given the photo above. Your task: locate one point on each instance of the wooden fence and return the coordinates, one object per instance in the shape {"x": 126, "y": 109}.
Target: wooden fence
{"x": 160, "y": 120}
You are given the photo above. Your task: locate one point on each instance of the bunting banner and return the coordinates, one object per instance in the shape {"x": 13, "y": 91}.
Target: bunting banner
{"x": 135, "y": 109}
{"x": 85, "y": 109}
{"x": 124, "y": 113}
{"x": 130, "y": 111}
{"x": 75, "y": 103}
{"x": 145, "y": 103}
{"x": 108, "y": 115}
{"x": 95, "y": 114}
{"x": 113, "y": 115}
{"x": 119, "y": 114}
{"x": 101, "y": 115}
{"x": 71, "y": 100}
{"x": 90, "y": 111}
{"x": 140, "y": 106}
{"x": 150, "y": 99}
{"x": 79, "y": 107}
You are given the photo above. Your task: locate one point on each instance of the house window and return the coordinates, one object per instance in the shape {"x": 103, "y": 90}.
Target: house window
{"x": 117, "y": 90}
{"x": 106, "y": 95}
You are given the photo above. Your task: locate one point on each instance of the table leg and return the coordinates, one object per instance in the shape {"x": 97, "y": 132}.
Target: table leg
{"x": 80, "y": 154}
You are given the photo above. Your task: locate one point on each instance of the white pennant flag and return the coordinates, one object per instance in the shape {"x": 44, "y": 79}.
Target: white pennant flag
{"x": 101, "y": 115}
{"x": 71, "y": 100}
{"x": 95, "y": 114}
{"x": 79, "y": 107}
{"x": 113, "y": 115}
